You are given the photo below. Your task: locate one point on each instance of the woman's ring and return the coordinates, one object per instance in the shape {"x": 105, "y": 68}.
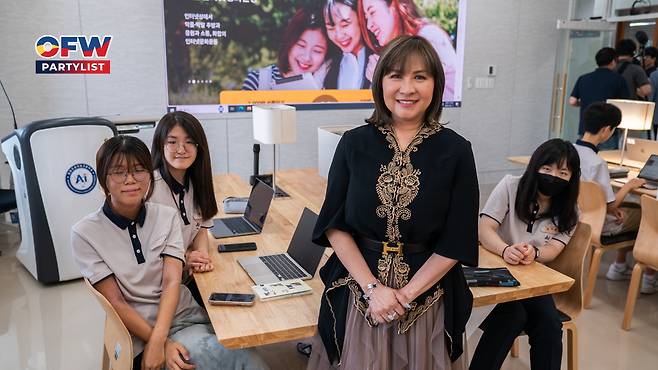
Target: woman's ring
{"x": 392, "y": 316}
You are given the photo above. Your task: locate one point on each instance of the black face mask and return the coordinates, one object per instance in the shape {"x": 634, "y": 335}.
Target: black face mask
{"x": 550, "y": 185}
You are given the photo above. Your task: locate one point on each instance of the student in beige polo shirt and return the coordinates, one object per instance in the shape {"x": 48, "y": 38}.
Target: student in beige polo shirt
{"x": 132, "y": 252}
{"x": 529, "y": 219}
{"x": 183, "y": 180}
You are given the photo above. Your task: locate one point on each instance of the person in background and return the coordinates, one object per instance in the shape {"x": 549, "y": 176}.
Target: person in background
{"x": 347, "y": 70}
{"x": 183, "y": 181}
{"x": 601, "y": 84}
{"x": 383, "y": 20}
{"x": 400, "y": 213}
{"x": 529, "y": 219}
{"x": 637, "y": 82}
{"x": 649, "y": 62}
{"x": 601, "y": 119}
{"x": 132, "y": 252}
{"x": 304, "y": 49}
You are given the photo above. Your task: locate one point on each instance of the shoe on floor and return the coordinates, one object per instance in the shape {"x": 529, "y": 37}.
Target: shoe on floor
{"x": 649, "y": 286}
{"x": 619, "y": 271}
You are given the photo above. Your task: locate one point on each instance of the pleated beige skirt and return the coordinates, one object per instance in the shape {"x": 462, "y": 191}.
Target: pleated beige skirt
{"x": 422, "y": 347}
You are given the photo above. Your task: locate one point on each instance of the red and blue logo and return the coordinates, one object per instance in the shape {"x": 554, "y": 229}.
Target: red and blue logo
{"x": 94, "y": 51}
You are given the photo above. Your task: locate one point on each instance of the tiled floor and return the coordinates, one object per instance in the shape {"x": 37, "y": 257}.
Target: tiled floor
{"x": 60, "y": 327}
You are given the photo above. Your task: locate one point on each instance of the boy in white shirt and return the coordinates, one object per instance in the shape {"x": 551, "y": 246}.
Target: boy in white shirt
{"x": 600, "y": 121}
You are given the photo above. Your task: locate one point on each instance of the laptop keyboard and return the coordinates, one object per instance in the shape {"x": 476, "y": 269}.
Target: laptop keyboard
{"x": 237, "y": 225}
{"x": 282, "y": 267}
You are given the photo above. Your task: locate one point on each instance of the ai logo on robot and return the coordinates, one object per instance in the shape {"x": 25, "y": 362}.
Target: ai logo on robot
{"x": 81, "y": 178}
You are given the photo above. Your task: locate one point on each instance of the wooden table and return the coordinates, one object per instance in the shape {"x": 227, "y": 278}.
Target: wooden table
{"x": 296, "y": 317}
{"x": 610, "y": 156}
{"x": 536, "y": 280}
{"x": 265, "y": 322}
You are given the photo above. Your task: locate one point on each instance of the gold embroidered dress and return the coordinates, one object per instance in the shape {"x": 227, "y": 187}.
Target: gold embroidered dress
{"x": 426, "y": 194}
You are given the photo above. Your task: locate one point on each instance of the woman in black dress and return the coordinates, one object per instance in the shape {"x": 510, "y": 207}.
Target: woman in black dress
{"x": 401, "y": 215}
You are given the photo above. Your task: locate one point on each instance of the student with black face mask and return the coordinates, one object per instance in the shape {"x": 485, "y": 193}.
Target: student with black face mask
{"x": 529, "y": 219}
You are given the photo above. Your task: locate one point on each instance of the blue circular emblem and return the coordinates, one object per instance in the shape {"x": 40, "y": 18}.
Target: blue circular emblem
{"x": 81, "y": 178}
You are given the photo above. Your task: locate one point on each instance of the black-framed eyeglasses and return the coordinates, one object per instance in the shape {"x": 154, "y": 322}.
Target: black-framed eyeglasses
{"x": 120, "y": 176}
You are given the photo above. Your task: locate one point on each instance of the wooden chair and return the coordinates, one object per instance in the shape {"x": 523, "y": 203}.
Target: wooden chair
{"x": 645, "y": 253}
{"x": 570, "y": 262}
{"x": 593, "y": 208}
{"x": 117, "y": 343}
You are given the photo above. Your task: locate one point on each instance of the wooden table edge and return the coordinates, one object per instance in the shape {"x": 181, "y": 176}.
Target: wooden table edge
{"x": 506, "y": 296}
{"x": 261, "y": 339}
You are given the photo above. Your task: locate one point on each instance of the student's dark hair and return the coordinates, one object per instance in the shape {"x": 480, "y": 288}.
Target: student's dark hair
{"x": 114, "y": 150}
{"x": 625, "y": 47}
{"x": 393, "y": 58}
{"x": 605, "y": 56}
{"x": 199, "y": 172}
{"x": 599, "y": 115}
{"x": 563, "y": 206}
{"x": 305, "y": 18}
{"x": 651, "y": 52}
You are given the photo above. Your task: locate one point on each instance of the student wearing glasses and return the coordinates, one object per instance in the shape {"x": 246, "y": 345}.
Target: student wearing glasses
{"x": 183, "y": 180}
{"x": 132, "y": 252}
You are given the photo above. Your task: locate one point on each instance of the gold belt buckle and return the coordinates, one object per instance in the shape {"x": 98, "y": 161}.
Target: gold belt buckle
{"x": 388, "y": 248}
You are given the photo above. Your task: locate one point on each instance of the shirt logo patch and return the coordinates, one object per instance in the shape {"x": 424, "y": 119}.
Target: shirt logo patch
{"x": 81, "y": 178}
{"x": 549, "y": 229}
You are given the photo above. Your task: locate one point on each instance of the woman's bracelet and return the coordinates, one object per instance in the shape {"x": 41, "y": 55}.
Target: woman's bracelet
{"x": 504, "y": 249}
{"x": 369, "y": 288}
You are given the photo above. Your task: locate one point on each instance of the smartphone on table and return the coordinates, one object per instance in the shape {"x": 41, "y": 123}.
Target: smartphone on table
{"x": 236, "y": 247}
{"x": 231, "y": 299}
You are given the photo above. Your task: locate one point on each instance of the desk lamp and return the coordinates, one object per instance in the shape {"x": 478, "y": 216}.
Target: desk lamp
{"x": 635, "y": 115}
{"x": 275, "y": 124}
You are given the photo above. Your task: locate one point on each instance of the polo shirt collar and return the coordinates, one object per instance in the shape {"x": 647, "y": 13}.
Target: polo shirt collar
{"x": 587, "y": 144}
{"x": 123, "y": 222}
{"x": 174, "y": 185}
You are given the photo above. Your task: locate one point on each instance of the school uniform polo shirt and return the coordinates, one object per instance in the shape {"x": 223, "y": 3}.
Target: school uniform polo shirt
{"x": 594, "y": 168}
{"x": 181, "y": 197}
{"x": 500, "y": 208}
{"x": 107, "y": 244}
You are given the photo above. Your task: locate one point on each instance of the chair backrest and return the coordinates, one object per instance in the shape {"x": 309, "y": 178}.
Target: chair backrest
{"x": 646, "y": 248}
{"x": 117, "y": 341}
{"x": 592, "y": 207}
{"x": 571, "y": 262}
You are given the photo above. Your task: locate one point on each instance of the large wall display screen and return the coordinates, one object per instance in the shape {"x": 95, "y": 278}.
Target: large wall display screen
{"x": 226, "y": 55}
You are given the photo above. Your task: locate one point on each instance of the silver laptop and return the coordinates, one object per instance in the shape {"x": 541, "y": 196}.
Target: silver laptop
{"x": 300, "y": 262}
{"x": 640, "y": 149}
{"x": 253, "y": 219}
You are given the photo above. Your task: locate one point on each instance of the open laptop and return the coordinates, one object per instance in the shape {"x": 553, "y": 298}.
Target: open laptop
{"x": 253, "y": 219}
{"x": 300, "y": 262}
{"x": 649, "y": 172}
{"x": 640, "y": 149}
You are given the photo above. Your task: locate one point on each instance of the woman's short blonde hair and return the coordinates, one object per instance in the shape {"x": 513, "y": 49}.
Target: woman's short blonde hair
{"x": 393, "y": 58}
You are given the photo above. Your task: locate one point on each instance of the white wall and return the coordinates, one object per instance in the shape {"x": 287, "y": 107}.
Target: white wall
{"x": 518, "y": 36}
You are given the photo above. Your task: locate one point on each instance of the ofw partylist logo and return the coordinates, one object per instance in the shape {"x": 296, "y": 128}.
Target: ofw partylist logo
{"x": 89, "y": 53}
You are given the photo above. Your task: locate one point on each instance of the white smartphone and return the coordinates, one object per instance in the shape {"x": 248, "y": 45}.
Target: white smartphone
{"x": 231, "y": 299}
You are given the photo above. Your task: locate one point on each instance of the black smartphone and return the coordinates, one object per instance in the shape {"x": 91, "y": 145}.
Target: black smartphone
{"x": 236, "y": 247}
{"x": 231, "y": 299}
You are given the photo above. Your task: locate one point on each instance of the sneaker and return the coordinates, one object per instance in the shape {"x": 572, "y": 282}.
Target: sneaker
{"x": 619, "y": 271}
{"x": 649, "y": 286}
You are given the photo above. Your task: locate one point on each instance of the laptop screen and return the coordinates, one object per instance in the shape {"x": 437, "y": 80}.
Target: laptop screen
{"x": 258, "y": 204}
{"x": 650, "y": 169}
{"x": 306, "y": 253}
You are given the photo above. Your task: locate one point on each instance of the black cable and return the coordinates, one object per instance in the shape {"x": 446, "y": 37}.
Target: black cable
{"x": 10, "y": 106}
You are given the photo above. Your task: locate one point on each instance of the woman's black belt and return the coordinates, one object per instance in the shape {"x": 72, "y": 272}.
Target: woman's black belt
{"x": 392, "y": 247}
